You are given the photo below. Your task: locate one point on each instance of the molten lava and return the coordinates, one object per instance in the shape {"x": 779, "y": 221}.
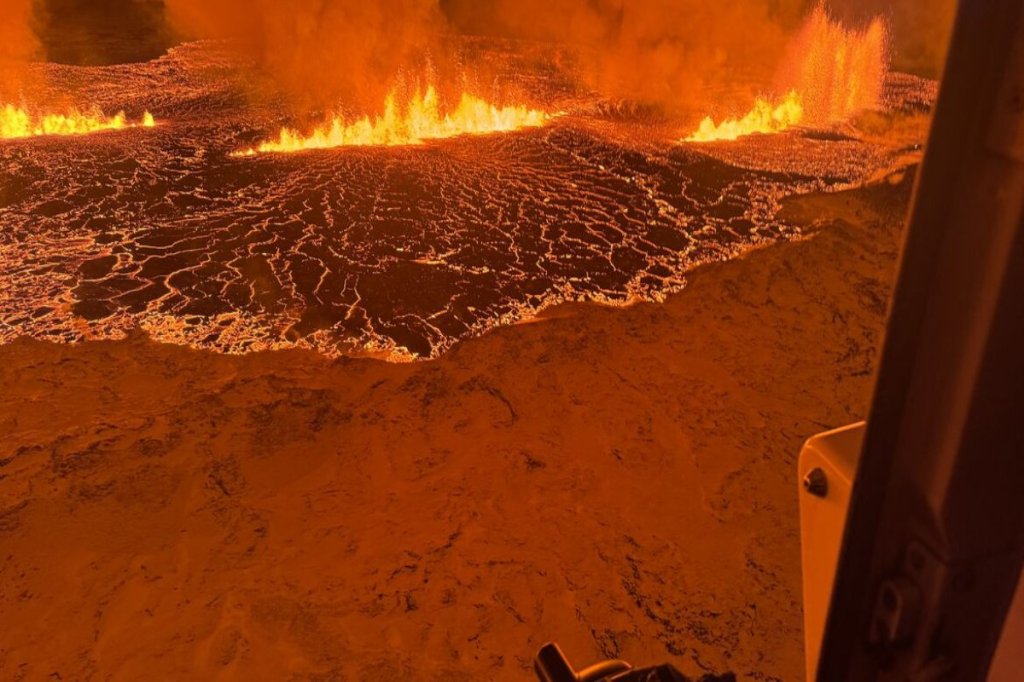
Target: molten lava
{"x": 17, "y": 122}
{"x": 765, "y": 117}
{"x": 830, "y": 72}
{"x": 422, "y": 119}
{"x": 838, "y": 71}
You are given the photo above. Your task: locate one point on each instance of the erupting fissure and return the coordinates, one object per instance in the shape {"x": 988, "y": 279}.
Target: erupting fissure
{"x": 765, "y": 117}
{"x": 830, "y": 73}
{"x": 421, "y": 120}
{"x": 18, "y": 122}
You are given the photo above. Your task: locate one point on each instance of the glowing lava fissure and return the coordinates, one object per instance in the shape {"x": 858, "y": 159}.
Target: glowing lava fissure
{"x": 765, "y": 117}
{"x": 830, "y": 73}
{"x": 18, "y": 122}
{"x": 421, "y": 119}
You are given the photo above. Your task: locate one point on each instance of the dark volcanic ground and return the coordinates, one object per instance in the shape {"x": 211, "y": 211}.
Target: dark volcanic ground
{"x": 401, "y": 251}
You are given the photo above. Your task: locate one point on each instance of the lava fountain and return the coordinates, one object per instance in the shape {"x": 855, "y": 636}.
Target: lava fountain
{"x": 18, "y": 122}
{"x": 830, "y": 73}
{"x": 419, "y": 120}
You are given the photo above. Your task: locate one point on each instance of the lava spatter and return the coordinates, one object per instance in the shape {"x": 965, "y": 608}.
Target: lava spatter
{"x": 831, "y": 72}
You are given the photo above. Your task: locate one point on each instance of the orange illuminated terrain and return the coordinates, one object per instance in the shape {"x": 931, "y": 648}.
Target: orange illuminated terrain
{"x": 18, "y": 122}
{"x": 301, "y": 381}
{"x": 421, "y": 119}
{"x": 618, "y": 479}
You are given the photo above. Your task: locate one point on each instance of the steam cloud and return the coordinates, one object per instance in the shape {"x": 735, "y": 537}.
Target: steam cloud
{"x": 18, "y": 45}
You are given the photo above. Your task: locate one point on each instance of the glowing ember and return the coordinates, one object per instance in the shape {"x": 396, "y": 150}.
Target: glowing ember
{"x": 16, "y": 122}
{"x": 831, "y": 73}
{"x": 422, "y": 120}
{"x": 765, "y": 117}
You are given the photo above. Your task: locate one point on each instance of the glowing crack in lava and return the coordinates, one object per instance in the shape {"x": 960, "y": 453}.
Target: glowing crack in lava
{"x": 17, "y": 122}
{"x": 831, "y": 73}
{"x": 421, "y": 120}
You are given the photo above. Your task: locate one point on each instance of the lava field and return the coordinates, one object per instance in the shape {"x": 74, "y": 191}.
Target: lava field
{"x": 400, "y": 251}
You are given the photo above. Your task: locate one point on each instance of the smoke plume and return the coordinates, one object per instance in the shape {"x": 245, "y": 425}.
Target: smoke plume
{"x": 674, "y": 53}
{"x": 18, "y": 45}
{"x": 662, "y": 51}
{"x": 321, "y": 51}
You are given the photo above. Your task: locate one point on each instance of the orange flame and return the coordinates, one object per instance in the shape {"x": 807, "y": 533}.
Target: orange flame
{"x": 420, "y": 121}
{"x": 765, "y": 117}
{"x": 831, "y": 73}
{"x": 16, "y": 122}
